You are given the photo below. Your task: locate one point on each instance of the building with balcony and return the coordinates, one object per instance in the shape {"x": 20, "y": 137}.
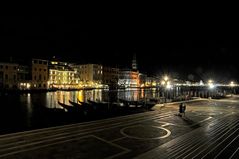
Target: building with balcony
{"x": 62, "y": 76}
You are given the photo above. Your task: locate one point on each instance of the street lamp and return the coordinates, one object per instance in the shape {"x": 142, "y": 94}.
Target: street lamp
{"x": 232, "y": 84}
{"x": 166, "y": 84}
{"x": 211, "y": 85}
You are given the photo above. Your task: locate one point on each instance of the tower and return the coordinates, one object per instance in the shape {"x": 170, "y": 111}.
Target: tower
{"x": 134, "y": 63}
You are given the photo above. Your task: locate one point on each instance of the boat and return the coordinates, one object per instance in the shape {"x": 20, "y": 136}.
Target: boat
{"x": 75, "y": 104}
{"x": 69, "y": 108}
{"x": 128, "y": 103}
{"x": 100, "y": 105}
{"x": 141, "y": 103}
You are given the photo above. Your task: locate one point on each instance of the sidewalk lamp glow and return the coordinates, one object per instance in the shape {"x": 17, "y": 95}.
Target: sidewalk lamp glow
{"x": 232, "y": 84}
{"x": 168, "y": 86}
{"x": 163, "y": 82}
{"x": 211, "y": 84}
{"x": 165, "y": 78}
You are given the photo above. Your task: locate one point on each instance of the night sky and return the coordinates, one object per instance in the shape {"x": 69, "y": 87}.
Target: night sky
{"x": 189, "y": 50}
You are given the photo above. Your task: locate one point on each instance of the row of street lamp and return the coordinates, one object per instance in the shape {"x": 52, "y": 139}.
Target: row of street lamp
{"x": 168, "y": 85}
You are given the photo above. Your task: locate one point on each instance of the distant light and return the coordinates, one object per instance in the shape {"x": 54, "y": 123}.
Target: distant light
{"x": 201, "y": 83}
{"x": 166, "y": 78}
{"x": 163, "y": 82}
{"x": 168, "y": 86}
{"x": 28, "y": 85}
{"x": 211, "y": 86}
{"x": 210, "y": 81}
{"x": 232, "y": 84}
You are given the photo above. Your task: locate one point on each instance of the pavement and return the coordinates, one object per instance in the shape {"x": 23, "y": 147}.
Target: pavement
{"x": 209, "y": 129}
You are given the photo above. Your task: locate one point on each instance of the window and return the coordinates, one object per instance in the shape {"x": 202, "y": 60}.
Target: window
{"x": 45, "y": 63}
{"x": 35, "y": 69}
{"x": 39, "y": 69}
{"x": 44, "y": 70}
{"x": 35, "y": 77}
{"x": 14, "y": 77}
{"x": 34, "y": 61}
{"x": 1, "y": 66}
{"x": 6, "y": 76}
{"x": 40, "y": 62}
{"x": 6, "y": 67}
{"x": 39, "y": 77}
{"x": 44, "y": 77}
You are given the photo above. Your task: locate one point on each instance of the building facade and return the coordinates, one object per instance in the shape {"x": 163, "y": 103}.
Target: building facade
{"x": 110, "y": 76}
{"x": 61, "y": 76}
{"x": 8, "y": 75}
{"x": 23, "y": 77}
{"x": 39, "y": 74}
{"x": 129, "y": 78}
{"x": 91, "y": 74}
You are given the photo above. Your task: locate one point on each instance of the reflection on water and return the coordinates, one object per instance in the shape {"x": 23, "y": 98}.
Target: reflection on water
{"x": 27, "y": 110}
{"x": 52, "y": 98}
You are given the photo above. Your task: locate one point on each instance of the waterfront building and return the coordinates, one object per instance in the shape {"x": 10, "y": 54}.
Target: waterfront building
{"x": 23, "y": 77}
{"x": 61, "y": 76}
{"x": 110, "y": 76}
{"x": 8, "y": 75}
{"x": 128, "y": 78}
{"x": 91, "y": 75}
{"x": 39, "y": 74}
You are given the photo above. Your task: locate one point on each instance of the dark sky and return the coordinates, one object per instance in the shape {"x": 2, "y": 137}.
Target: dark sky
{"x": 183, "y": 48}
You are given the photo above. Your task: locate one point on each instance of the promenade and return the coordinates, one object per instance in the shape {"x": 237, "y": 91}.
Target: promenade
{"x": 209, "y": 130}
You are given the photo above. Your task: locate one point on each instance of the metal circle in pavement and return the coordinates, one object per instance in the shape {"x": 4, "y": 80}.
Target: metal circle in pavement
{"x": 122, "y": 131}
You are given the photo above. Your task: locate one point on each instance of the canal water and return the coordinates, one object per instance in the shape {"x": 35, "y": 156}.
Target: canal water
{"x": 20, "y": 112}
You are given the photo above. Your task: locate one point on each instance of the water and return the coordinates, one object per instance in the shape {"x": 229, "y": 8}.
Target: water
{"x": 21, "y": 112}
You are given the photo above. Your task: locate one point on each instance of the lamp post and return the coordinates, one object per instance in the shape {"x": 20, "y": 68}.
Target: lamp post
{"x": 232, "y": 84}
{"x": 211, "y": 86}
{"x": 167, "y": 85}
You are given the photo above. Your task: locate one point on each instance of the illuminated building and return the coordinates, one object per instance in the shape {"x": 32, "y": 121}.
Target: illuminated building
{"x": 39, "y": 74}
{"x": 23, "y": 77}
{"x": 128, "y": 78}
{"x": 91, "y": 74}
{"x": 8, "y": 75}
{"x": 61, "y": 75}
{"x": 142, "y": 79}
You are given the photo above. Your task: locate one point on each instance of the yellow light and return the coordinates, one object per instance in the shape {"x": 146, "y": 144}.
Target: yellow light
{"x": 28, "y": 85}
{"x": 166, "y": 78}
{"x": 163, "y": 82}
{"x": 232, "y": 84}
{"x": 168, "y": 86}
{"x": 211, "y": 86}
{"x": 210, "y": 81}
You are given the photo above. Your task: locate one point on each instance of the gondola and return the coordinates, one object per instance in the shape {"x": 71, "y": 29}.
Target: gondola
{"x": 67, "y": 107}
{"x": 75, "y": 104}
